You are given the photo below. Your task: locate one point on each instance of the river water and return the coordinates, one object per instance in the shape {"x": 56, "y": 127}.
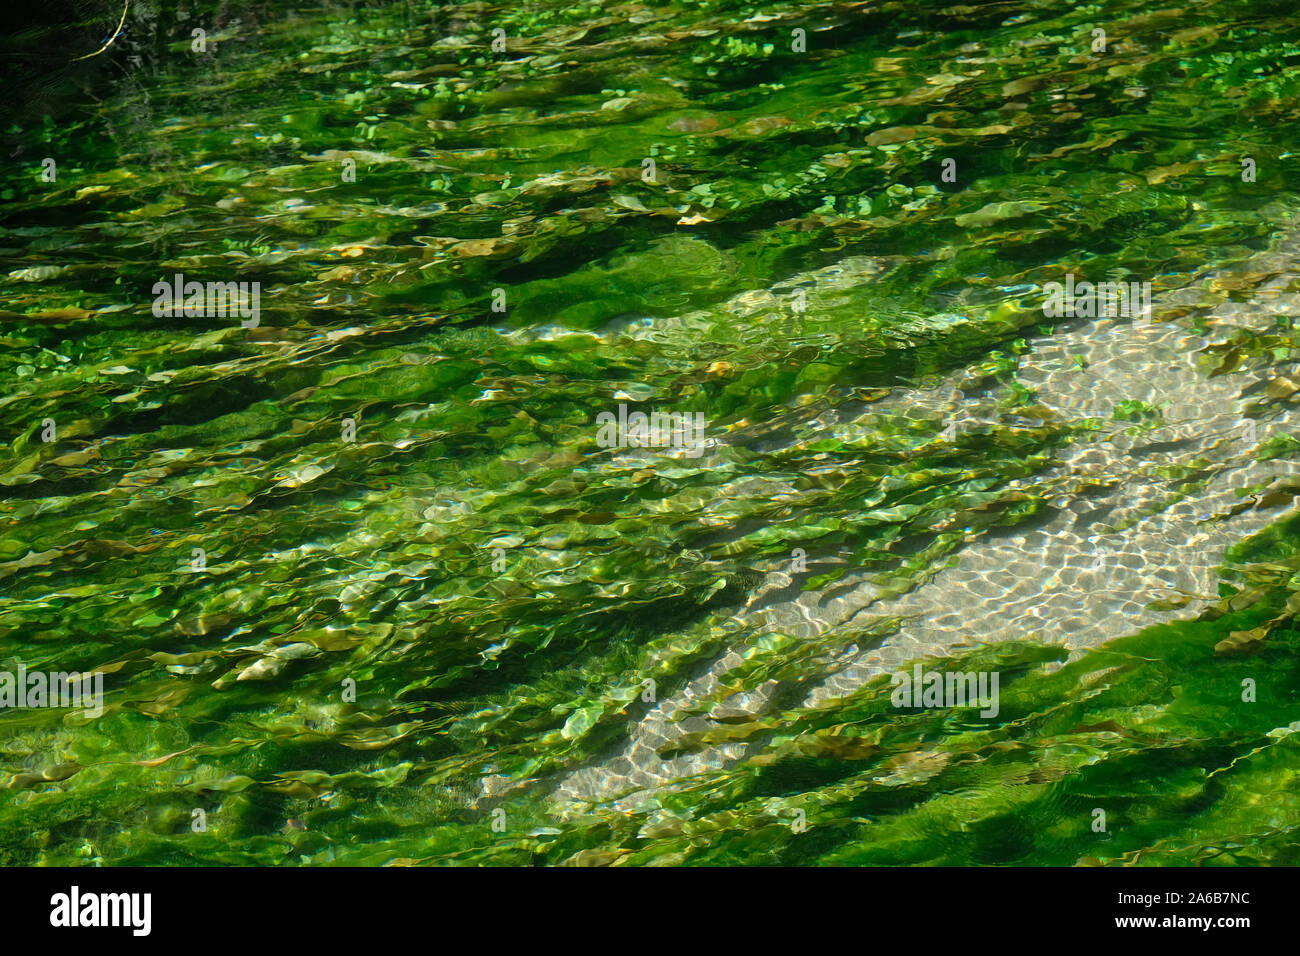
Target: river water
{"x": 365, "y": 580}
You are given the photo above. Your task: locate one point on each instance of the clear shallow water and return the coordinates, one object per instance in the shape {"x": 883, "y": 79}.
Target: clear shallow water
{"x": 499, "y": 586}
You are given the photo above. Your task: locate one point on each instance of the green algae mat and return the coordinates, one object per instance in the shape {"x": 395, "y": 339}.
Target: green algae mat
{"x": 700, "y": 433}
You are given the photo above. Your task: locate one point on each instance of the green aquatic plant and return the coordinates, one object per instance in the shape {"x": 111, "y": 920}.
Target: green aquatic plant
{"x": 364, "y": 575}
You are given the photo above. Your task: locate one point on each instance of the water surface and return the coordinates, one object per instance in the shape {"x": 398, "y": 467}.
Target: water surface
{"x": 390, "y": 486}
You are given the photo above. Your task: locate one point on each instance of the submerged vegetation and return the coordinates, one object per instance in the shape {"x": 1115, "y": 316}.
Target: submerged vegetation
{"x": 366, "y": 587}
